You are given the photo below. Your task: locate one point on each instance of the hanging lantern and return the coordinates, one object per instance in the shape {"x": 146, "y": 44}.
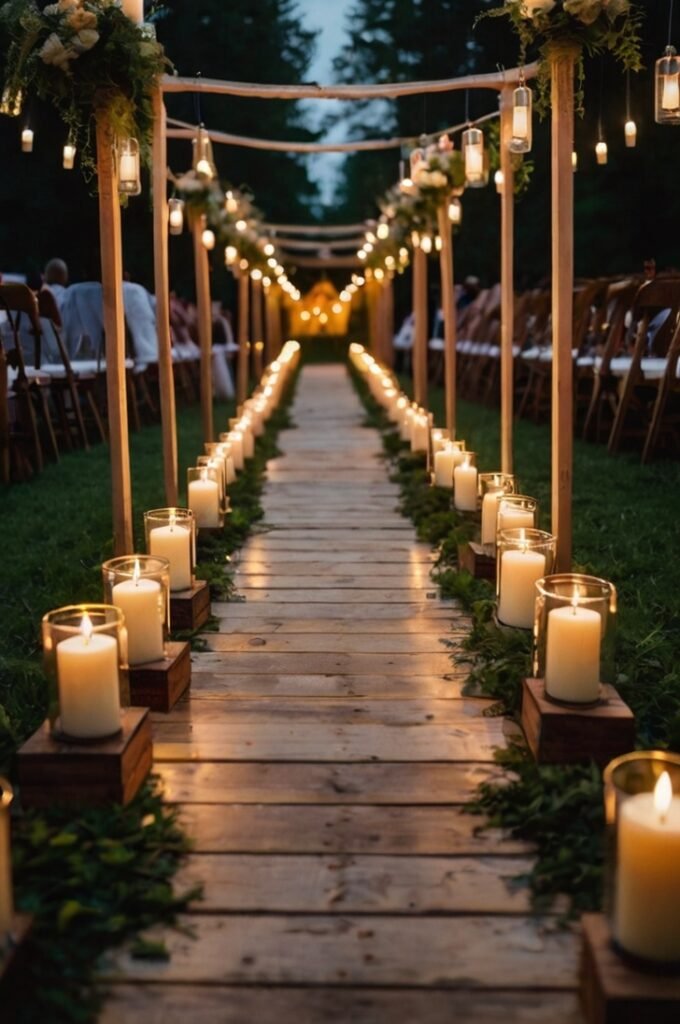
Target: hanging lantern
{"x": 415, "y": 239}
{"x": 208, "y": 239}
{"x": 522, "y": 102}
{"x": 601, "y": 152}
{"x": 69, "y": 156}
{"x": 455, "y": 210}
{"x": 379, "y": 273}
{"x": 129, "y": 173}
{"x": 383, "y": 230}
{"x": 241, "y": 225}
{"x": 574, "y": 161}
{"x": 667, "y": 88}
{"x": 438, "y": 244}
{"x": 256, "y": 274}
{"x": 426, "y": 244}
{"x": 203, "y": 162}
{"x": 230, "y": 202}
{"x": 269, "y": 250}
{"x": 630, "y": 133}
{"x": 499, "y": 181}
{"x": 27, "y": 140}
{"x": 176, "y": 215}
{"x": 476, "y": 176}
{"x": 230, "y": 255}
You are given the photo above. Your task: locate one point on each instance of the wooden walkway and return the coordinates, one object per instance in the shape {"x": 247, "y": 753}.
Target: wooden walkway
{"x": 321, "y": 762}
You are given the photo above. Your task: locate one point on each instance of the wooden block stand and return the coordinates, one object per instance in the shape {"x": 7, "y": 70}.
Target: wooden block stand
{"x": 559, "y": 734}
{"x": 612, "y": 992}
{"x": 160, "y": 684}
{"x": 52, "y": 771}
{"x": 475, "y": 558}
{"x": 190, "y": 609}
{"x": 13, "y": 957}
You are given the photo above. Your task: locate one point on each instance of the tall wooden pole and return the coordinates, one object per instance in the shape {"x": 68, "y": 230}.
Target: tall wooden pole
{"x": 257, "y": 332}
{"x": 111, "y": 248}
{"x": 202, "y": 270}
{"x": 420, "y": 326}
{"x": 562, "y": 101}
{"x": 449, "y": 310}
{"x": 507, "y": 282}
{"x": 243, "y": 377}
{"x": 388, "y": 354}
{"x": 166, "y": 380}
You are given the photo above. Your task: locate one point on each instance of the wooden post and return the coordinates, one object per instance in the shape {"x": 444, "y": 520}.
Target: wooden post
{"x": 389, "y": 322}
{"x": 243, "y": 344}
{"x": 420, "y": 326}
{"x": 507, "y": 282}
{"x": 111, "y": 248}
{"x": 562, "y": 63}
{"x": 166, "y": 382}
{"x": 202, "y": 269}
{"x": 449, "y": 310}
{"x": 257, "y": 332}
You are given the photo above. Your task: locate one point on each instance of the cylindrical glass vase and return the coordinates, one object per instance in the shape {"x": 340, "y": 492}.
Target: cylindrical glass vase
{"x": 438, "y": 439}
{"x": 85, "y": 659}
{"x": 140, "y": 586}
{"x": 492, "y": 487}
{"x": 642, "y": 878}
{"x": 205, "y": 490}
{"x": 445, "y": 460}
{"x": 6, "y": 893}
{"x": 171, "y": 533}
{"x": 234, "y": 438}
{"x": 516, "y": 511}
{"x": 523, "y": 558}
{"x": 465, "y": 483}
{"x": 574, "y": 636}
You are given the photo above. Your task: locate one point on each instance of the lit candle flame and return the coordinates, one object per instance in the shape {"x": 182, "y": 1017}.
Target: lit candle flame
{"x": 204, "y": 475}
{"x": 523, "y": 539}
{"x": 173, "y": 520}
{"x": 86, "y": 628}
{"x": 663, "y": 795}
{"x": 574, "y": 600}
{"x": 137, "y": 572}
{"x": 466, "y": 462}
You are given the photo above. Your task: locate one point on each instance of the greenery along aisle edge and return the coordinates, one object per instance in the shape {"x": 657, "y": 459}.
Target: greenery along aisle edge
{"x": 558, "y": 808}
{"x": 97, "y": 878}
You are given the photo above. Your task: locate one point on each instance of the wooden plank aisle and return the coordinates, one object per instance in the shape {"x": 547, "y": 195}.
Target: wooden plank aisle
{"x": 321, "y": 763}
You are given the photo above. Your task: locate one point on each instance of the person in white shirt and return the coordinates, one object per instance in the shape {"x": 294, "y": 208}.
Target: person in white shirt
{"x": 56, "y": 279}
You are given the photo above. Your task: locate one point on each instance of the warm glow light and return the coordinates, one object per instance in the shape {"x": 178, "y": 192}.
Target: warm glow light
{"x": 86, "y": 628}
{"x": 256, "y": 274}
{"x": 208, "y": 239}
{"x": 27, "y": 140}
{"x": 383, "y": 230}
{"x": 323, "y": 319}
{"x": 370, "y": 238}
{"x": 243, "y": 264}
{"x": 378, "y": 273}
{"x": 269, "y": 250}
{"x": 305, "y": 315}
{"x": 336, "y": 308}
{"x": 240, "y": 225}
{"x": 230, "y": 202}
{"x": 69, "y": 156}
{"x": 204, "y": 168}
{"x": 426, "y": 243}
{"x": 345, "y": 296}
{"x": 574, "y": 160}
{"x": 663, "y": 795}
{"x": 230, "y": 255}
{"x": 630, "y": 132}
{"x": 499, "y": 179}
{"x": 601, "y": 152}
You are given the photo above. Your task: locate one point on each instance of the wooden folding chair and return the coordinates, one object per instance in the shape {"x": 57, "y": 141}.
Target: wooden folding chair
{"x": 65, "y": 385}
{"x": 639, "y": 387}
{"x": 666, "y": 421}
{"x": 609, "y": 339}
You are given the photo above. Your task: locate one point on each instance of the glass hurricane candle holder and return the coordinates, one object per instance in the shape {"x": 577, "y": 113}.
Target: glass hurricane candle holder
{"x": 516, "y": 511}
{"x": 438, "y": 438}
{"x": 204, "y": 490}
{"x": 574, "y": 636}
{"x": 171, "y": 534}
{"x": 420, "y": 431}
{"x": 492, "y": 487}
{"x": 242, "y": 424}
{"x": 667, "y": 88}
{"x": 85, "y": 660}
{"x": 445, "y": 460}
{"x": 234, "y": 438}
{"x": 140, "y": 586}
{"x": 222, "y": 450}
{"x": 465, "y": 483}
{"x": 642, "y": 876}
{"x": 6, "y": 894}
{"x": 524, "y": 556}
{"x": 128, "y": 162}
{"x": 217, "y": 462}
{"x": 175, "y": 215}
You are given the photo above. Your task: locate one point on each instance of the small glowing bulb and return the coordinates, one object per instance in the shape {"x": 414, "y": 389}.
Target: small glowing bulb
{"x": 601, "y": 152}
{"x": 69, "y": 156}
{"x": 670, "y": 96}
{"x": 499, "y": 179}
{"x": 383, "y": 230}
{"x": 240, "y": 225}
{"x": 27, "y": 140}
{"x": 204, "y": 167}
{"x": 208, "y": 238}
{"x": 426, "y": 243}
{"x": 269, "y": 250}
{"x": 574, "y": 160}
{"x": 630, "y": 132}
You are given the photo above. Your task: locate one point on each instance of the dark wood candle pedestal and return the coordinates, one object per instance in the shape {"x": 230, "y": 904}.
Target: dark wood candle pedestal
{"x": 158, "y": 685}
{"x": 55, "y": 772}
{"x": 190, "y": 609}
{"x": 476, "y": 559}
{"x": 613, "y": 992}
{"x": 567, "y": 734}
{"x": 13, "y": 957}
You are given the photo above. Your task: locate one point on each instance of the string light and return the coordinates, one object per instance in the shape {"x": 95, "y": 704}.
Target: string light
{"x": 455, "y": 210}
{"x": 476, "y": 174}
{"x": 208, "y": 239}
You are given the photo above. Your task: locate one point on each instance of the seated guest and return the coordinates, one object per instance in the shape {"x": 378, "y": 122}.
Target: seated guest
{"x": 55, "y": 277}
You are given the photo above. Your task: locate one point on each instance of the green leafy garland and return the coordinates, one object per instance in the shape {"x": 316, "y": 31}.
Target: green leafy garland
{"x": 86, "y": 57}
{"x": 590, "y": 26}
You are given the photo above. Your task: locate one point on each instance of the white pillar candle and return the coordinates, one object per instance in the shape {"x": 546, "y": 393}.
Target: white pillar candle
{"x": 406, "y": 421}
{"x": 520, "y": 121}
{"x": 141, "y": 602}
{"x": 6, "y": 897}
{"x": 128, "y": 167}
{"x": 519, "y": 571}
{"x": 134, "y": 10}
{"x": 235, "y": 438}
{"x": 27, "y": 140}
{"x": 511, "y": 517}
{"x": 248, "y": 438}
{"x": 444, "y": 465}
{"x": 490, "y": 503}
{"x": 648, "y": 874}
{"x": 174, "y": 543}
{"x": 69, "y": 156}
{"x": 89, "y": 687}
{"x": 439, "y": 441}
{"x": 204, "y": 501}
{"x": 572, "y": 657}
{"x": 420, "y": 433}
{"x": 465, "y": 486}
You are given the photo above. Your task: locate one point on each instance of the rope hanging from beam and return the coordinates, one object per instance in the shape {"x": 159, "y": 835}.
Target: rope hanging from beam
{"x": 312, "y": 90}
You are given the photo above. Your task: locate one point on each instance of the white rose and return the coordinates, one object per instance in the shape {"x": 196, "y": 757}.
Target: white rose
{"x": 85, "y": 40}
{"x": 54, "y": 52}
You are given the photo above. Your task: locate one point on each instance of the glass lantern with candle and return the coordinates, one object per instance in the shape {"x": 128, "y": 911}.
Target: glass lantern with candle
{"x": 444, "y": 461}
{"x": 140, "y": 586}
{"x": 6, "y": 893}
{"x": 524, "y": 556}
{"x": 465, "y": 483}
{"x": 516, "y": 511}
{"x": 492, "y": 487}
{"x": 574, "y": 636}
{"x": 175, "y": 215}
{"x": 222, "y": 450}
{"x": 642, "y": 867}
{"x": 455, "y": 211}
{"x": 86, "y": 663}
{"x": 129, "y": 167}
{"x": 438, "y": 439}
{"x": 667, "y": 88}
{"x": 171, "y": 534}
{"x": 522, "y": 102}
{"x": 69, "y": 155}
{"x": 203, "y": 160}
{"x": 476, "y": 158}
{"x": 217, "y": 462}
{"x": 234, "y": 438}
{"x": 204, "y": 488}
